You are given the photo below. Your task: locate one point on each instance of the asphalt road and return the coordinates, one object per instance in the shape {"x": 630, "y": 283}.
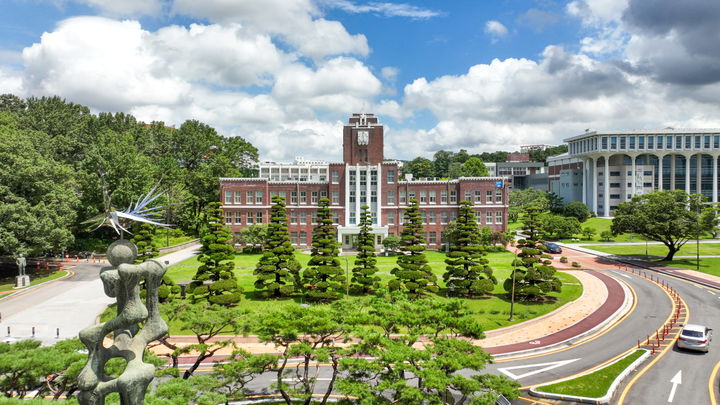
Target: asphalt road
{"x": 695, "y": 368}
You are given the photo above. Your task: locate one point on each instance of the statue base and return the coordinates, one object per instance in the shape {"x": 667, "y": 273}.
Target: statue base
{"x": 22, "y": 281}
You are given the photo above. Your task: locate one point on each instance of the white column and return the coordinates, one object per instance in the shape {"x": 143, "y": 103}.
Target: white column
{"x": 585, "y": 181}
{"x": 634, "y": 176}
{"x": 715, "y": 179}
{"x": 687, "y": 173}
{"x": 698, "y": 173}
{"x": 368, "y": 190}
{"x": 673, "y": 158}
{"x": 357, "y": 193}
{"x": 606, "y": 188}
{"x": 594, "y": 187}
{"x": 380, "y": 179}
{"x": 660, "y": 173}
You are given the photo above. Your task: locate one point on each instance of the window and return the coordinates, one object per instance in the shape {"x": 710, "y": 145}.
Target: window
{"x": 615, "y": 174}
{"x": 373, "y": 178}
{"x": 688, "y": 141}
{"x": 616, "y": 185}
{"x": 303, "y": 197}
{"x": 238, "y": 218}
{"x": 423, "y": 197}
{"x": 706, "y": 142}
{"x": 431, "y": 215}
{"x": 352, "y": 178}
{"x": 498, "y": 196}
{"x": 336, "y": 197}
{"x": 303, "y": 238}
{"x": 391, "y": 176}
{"x": 363, "y": 178}
{"x": 228, "y": 218}
{"x": 402, "y": 217}
{"x": 629, "y": 172}
{"x": 336, "y": 218}
{"x": 323, "y": 194}
{"x": 238, "y": 197}
{"x": 443, "y": 197}
{"x": 604, "y": 142}
{"x": 314, "y": 218}
{"x": 614, "y": 195}
{"x": 622, "y": 142}
{"x": 335, "y": 177}
{"x": 293, "y": 217}
{"x": 716, "y": 142}
{"x": 453, "y": 197}
{"x": 314, "y": 197}
{"x": 647, "y": 184}
{"x": 613, "y": 142}
{"x": 478, "y": 196}
{"x": 678, "y": 142}
{"x": 402, "y": 197}
{"x": 423, "y": 217}
{"x": 250, "y": 218}
{"x": 488, "y": 218}
{"x": 488, "y": 197}
{"x": 453, "y": 215}
{"x": 641, "y": 142}
{"x": 228, "y": 197}
{"x": 352, "y": 217}
{"x": 696, "y": 145}
{"x": 499, "y": 217}
{"x": 432, "y": 239}
{"x": 363, "y": 197}
{"x": 443, "y": 217}
{"x": 352, "y": 196}
{"x": 651, "y": 139}
{"x": 259, "y": 217}
{"x": 478, "y": 217}
{"x": 632, "y": 142}
{"x": 647, "y": 173}
{"x": 303, "y": 218}
{"x": 432, "y": 197}
{"x": 391, "y": 197}
{"x": 258, "y": 197}
{"x": 391, "y": 218}
{"x": 411, "y": 195}
{"x": 668, "y": 142}
{"x": 294, "y": 238}
{"x": 293, "y": 197}
{"x": 373, "y": 196}
{"x": 468, "y": 195}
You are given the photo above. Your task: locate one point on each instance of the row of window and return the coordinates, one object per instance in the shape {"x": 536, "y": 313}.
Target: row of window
{"x": 335, "y": 177}
{"x": 430, "y": 197}
{"x": 646, "y": 142}
{"x": 256, "y": 197}
{"x": 428, "y": 218}
{"x": 425, "y": 197}
{"x": 237, "y": 218}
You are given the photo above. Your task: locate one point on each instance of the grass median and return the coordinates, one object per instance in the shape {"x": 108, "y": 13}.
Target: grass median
{"x": 595, "y": 384}
{"x": 8, "y": 283}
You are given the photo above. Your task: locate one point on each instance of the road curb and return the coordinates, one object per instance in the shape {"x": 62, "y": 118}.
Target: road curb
{"x": 68, "y": 273}
{"x": 605, "y": 399}
{"x": 602, "y": 326}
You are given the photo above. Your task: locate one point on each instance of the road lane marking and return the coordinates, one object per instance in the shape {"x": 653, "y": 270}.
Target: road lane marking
{"x": 620, "y": 274}
{"x": 543, "y": 368}
{"x": 711, "y": 292}
{"x": 675, "y": 381}
{"x": 711, "y": 384}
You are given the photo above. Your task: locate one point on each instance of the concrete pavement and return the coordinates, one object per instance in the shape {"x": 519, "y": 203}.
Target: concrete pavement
{"x": 68, "y": 305}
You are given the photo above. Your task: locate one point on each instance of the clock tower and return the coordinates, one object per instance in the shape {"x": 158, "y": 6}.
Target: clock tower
{"x": 363, "y": 140}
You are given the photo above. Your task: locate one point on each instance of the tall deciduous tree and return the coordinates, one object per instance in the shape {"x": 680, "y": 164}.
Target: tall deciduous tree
{"x": 670, "y": 217}
{"x": 467, "y": 267}
{"x": 215, "y": 280}
{"x": 474, "y": 167}
{"x": 413, "y": 273}
{"x": 419, "y": 167}
{"x": 323, "y": 278}
{"x": 364, "y": 279}
{"x": 277, "y": 271}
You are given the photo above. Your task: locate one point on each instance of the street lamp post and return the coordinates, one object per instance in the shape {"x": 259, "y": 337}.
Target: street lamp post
{"x": 347, "y": 277}
{"x": 512, "y": 296}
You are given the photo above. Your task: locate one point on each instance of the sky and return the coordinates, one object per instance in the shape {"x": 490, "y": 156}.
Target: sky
{"x": 480, "y": 75}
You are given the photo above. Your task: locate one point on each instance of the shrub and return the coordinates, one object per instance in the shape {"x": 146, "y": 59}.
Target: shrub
{"x": 576, "y": 264}
{"x": 606, "y": 236}
{"x": 563, "y": 259}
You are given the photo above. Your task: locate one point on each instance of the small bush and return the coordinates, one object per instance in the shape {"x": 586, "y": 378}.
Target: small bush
{"x": 576, "y": 264}
{"x": 563, "y": 259}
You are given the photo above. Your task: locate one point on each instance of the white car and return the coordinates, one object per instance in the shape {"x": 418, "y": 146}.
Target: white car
{"x": 695, "y": 337}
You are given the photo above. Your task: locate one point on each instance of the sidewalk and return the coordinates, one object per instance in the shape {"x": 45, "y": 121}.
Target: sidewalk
{"x": 69, "y": 305}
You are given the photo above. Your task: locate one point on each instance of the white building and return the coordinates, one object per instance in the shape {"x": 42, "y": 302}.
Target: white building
{"x": 619, "y": 165}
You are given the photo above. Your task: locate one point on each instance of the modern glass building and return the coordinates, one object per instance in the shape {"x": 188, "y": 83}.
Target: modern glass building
{"x": 619, "y": 165}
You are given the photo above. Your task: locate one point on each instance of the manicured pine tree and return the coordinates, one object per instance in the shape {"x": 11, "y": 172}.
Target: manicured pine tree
{"x": 413, "y": 275}
{"x": 277, "y": 271}
{"x": 323, "y": 279}
{"x": 534, "y": 273}
{"x": 467, "y": 268}
{"x": 364, "y": 279}
{"x": 215, "y": 280}
{"x": 143, "y": 239}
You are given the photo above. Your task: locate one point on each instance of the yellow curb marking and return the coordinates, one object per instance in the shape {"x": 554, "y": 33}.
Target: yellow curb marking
{"x": 711, "y": 383}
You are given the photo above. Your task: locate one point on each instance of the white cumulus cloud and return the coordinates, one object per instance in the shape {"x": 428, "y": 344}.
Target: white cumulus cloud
{"x": 496, "y": 30}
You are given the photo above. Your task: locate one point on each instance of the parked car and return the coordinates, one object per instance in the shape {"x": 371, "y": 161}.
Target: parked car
{"x": 695, "y": 337}
{"x": 553, "y": 247}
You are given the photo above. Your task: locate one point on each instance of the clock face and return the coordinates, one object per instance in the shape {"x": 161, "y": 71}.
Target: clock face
{"x": 363, "y": 137}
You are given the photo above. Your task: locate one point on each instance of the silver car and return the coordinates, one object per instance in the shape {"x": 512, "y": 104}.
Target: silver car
{"x": 695, "y": 337}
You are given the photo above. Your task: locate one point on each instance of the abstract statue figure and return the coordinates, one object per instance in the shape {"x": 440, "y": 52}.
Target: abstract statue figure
{"x": 122, "y": 281}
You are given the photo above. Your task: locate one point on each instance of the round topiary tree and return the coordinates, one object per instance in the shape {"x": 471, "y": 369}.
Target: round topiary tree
{"x": 413, "y": 275}
{"x": 277, "y": 271}
{"x": 534, "y": 275}
{"x": 143, "y": 239}
{"x": 215, "y": 280}
{"x": 364, "y": 279}
{"x": 323, "y": 278}
{"x": 467, "y": 271}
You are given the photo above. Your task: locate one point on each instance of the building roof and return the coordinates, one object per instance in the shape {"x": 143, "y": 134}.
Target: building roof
{"x": 659, "y": 131}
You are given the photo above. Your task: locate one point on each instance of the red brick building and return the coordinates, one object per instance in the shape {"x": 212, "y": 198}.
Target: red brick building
{"x": 363, "y": 178}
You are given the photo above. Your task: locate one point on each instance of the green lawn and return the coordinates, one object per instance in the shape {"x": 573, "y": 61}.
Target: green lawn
{"x": 595, "y": 384}
{"x": 36, "y": 277}
{"x": 659, "y": 250}
{"x": 494, "y": 309}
